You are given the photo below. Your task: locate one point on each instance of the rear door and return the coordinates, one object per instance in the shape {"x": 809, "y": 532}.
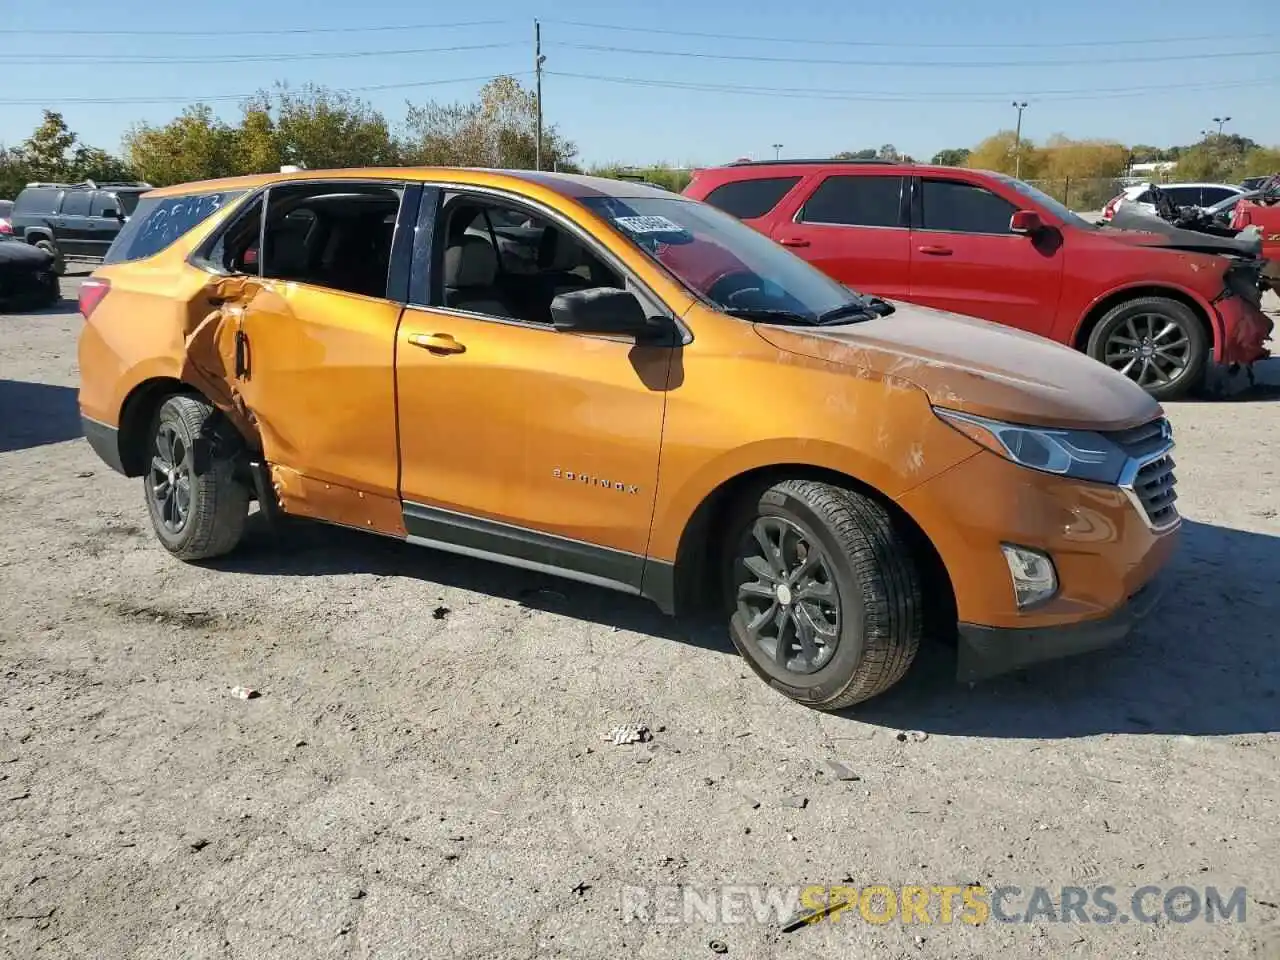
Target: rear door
{"x": 72, "y": 233}
{"x": 854, "y": 228}
{"x": 965, "y": 259}
{"x": 751, "y": 200}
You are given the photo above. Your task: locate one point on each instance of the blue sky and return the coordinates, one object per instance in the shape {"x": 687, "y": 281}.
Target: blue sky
{"x": 922, "y": 75}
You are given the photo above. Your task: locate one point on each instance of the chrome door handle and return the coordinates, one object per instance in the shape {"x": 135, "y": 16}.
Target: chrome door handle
{"x": 436, "y": 342}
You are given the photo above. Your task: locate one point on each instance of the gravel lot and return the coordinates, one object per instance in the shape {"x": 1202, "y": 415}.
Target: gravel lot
{"x": 424, "y": 773}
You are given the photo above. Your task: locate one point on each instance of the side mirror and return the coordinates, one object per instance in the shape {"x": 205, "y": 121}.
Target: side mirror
{"x": 1025, "y": 222}
{"x": 600, "y": 310}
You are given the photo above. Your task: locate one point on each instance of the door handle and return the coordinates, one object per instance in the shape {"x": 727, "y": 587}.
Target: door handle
{"x": 794, "y": 242}
{"x": 935, "y": 251}
{"x": 242, "y": 355}
{"x": 436, "y": 342}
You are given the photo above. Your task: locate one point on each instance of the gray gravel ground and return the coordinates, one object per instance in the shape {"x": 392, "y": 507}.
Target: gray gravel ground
{"x": 424, "y": 773}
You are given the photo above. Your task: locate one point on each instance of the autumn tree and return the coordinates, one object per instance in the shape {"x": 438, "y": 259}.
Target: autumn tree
{"x": 316, "y": 128}
{"x": 46, "y": 154}
{"x": 999, "y": 153}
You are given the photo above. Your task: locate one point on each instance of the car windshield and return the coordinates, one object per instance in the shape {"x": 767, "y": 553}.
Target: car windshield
{"x": 730, "y": 265}
{"x": 1059, "y": 210}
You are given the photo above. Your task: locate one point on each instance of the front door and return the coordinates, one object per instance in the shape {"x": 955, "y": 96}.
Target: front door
{"x": 965, "y": 259}
{"x": 311, "y": 353}
{"x": 517, "y": 441}
{"x": 854, "y": 228}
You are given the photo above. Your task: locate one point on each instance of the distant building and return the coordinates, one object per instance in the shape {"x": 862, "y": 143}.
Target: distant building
{"x": 1149, "y": 171}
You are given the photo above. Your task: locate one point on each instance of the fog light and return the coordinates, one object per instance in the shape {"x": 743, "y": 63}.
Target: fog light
{"x": 1034, "y": 579}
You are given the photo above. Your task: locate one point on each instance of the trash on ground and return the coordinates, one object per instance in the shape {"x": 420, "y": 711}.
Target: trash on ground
{"x": 840, "y": 771}
{"x": 914, "y": 736}
{"x": 718, "y": 946}
{"x": 245, "y": 693}
{"x": 628, "y": 733}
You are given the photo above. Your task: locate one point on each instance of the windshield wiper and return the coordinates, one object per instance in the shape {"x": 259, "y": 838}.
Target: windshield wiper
{"x": 768, "y": 314}
{"x": 866, "y": 310}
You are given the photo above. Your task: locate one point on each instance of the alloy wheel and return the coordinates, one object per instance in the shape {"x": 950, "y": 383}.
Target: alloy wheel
{"x": 169, "y": 481}
{"x": 1149, "y": 349}
{"x": 786, "y": 595}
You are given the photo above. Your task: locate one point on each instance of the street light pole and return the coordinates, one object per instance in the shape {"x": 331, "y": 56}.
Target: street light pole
{"x": 777, "y": 151}
{"x": 1220, "y": 121}
{"x": 538, "y": 61}
{"x": 1017, "y": 140}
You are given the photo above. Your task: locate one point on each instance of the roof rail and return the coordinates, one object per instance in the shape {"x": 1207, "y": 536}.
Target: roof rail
{"x": 783, "y": 161}
{"x": 92, "y": 185}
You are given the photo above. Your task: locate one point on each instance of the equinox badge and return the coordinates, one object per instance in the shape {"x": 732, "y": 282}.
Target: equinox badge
{"x": 591, "y": 481}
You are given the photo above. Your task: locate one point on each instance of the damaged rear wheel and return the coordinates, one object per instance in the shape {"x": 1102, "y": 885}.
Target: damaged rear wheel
{"x": 1158, "y": 343}
{"x": 198, "y": 508}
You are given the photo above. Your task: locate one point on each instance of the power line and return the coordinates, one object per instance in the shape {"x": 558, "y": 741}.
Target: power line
{"x": 286, "y": 31}
{"x": 248, "y": 57}
{"x": 919, "y": 64}
{"x": 886, "y": 96}
{"x": 899, "y": 43}
{"x": 240, "y": 97}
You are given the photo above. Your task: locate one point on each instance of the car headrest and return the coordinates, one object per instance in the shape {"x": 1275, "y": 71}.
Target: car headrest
{"x": 470, "y": 262}
{"x": 559, "y": 251}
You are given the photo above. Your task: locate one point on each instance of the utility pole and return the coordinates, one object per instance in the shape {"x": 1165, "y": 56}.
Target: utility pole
{"x": 777, "y": 151}
{"x": 538, "y": 60}
{"x": 1017, "y": 140}
{"x": 1220, "y": 121}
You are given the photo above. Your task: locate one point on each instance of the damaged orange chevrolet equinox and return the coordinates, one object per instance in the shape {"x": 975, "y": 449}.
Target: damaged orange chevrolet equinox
{"x": 613, "y": 383}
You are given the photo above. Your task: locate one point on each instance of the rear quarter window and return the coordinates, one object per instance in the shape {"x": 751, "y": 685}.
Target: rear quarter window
{"x": 38, "y": 200}
{"x": 158, "y": 222}
{"x": 748, "y": 199}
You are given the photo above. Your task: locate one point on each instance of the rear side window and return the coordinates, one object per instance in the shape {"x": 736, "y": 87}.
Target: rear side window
{"x": 957, "y": 207}
{"x": 76, "y": 203}
{"x": 158, "y": 222}
{"x": 856, "y": 202}
{"x": 748, "y": 199}
{"x": 1211, "y": 195}
{"x": 1183, "y": 196}
{"x": 105, "y": 205}
{"x": 37, "y": 200}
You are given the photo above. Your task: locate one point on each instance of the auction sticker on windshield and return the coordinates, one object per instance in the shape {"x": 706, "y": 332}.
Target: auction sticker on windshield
{"x": 648, "y": 224}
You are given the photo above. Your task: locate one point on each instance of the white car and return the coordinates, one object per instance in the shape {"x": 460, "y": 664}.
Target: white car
{"x": 6, "y": 209}
{"x": 1182, "y": 194}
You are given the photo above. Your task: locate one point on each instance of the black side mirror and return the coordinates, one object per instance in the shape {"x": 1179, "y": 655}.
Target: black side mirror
{"x": 601, "y": 310}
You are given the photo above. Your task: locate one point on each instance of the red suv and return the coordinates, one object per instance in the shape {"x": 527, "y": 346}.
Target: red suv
{"x": 1156, "y": 307}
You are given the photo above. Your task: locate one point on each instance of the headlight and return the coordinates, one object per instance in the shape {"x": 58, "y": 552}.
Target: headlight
{"x": 1080, "y": 454}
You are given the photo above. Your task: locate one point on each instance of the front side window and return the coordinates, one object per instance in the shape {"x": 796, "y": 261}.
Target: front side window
{"x": 159, "y": 222}
{"x": 726, "y": 263}
{"x": 856, "y": 202}
{"x": 953, "y": 206}
{"x": 748, "y": 199}
{"x": 502, "y": 260}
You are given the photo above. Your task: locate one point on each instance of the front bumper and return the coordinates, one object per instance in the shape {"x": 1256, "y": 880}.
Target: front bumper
{"x": 105, "y": 441}
{"x": 990, "y": 651}
{"x": 1245, "y": 332}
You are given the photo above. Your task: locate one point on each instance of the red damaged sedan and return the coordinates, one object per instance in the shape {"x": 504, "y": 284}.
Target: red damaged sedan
{"x": 1159, "y": 307}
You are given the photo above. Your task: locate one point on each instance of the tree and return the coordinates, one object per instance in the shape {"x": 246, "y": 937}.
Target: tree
{"x": 195, "y": 145}
{"x": 46, "y": 152}
{"x": 998, "y": 153}
{"x": 1261, "y": 162}
{"x": 316, "y": 127}
{"x": 888, "y": 152}
{"x": 868, "y": 154}
{"x": 497, "y": 130}
{"x": 92, "y": 163}
{"x": 951, "y": 157}
{"x": 257, "y": 141}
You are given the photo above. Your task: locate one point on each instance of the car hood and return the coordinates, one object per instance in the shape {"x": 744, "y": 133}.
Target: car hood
{"x": 982, "y": 368}
{"x": 1140, "y": 230}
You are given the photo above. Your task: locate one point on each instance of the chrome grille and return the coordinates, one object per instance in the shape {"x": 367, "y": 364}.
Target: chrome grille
{"x": 1155, "y": 486}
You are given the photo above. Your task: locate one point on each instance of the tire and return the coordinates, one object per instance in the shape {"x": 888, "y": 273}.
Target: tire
{"x": 864, "y": 562}
{"x": 59, "y": 261}
{"x": 217, "y": 503}
{"x": 1142, "y": 321}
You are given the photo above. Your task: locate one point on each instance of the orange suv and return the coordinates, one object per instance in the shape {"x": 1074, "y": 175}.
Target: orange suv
{"x": 613, "y": 383}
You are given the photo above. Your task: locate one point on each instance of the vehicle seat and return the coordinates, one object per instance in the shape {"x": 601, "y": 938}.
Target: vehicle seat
{"x": 470, "y": 272}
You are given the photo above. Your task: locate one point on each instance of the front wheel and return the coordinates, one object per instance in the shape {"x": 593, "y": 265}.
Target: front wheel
{"x": 824, "y": 593}
{"x": 1158, "y": 343}
{"x": 195, "y": 515}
